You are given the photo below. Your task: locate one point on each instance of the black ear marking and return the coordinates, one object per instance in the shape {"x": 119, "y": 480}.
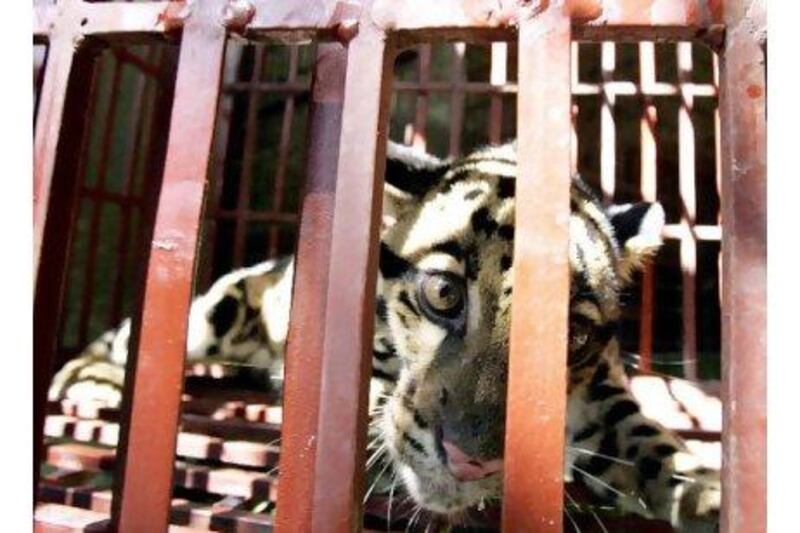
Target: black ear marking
{"x": 412, "y": 172}
{"x": 627, "y": 220}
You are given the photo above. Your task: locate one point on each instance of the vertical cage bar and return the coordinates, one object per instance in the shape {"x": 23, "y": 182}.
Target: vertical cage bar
{"x": 250, "y": 143}
{"x": 458, "y": 78}
{"x": 608, "y": 132}
{"x": 347, "y": 347}
{"x": 233, "y": 56}
{"x": 419, "y": 134}
{"x": 134, "y": 147}
{"x": 497, "y": 78}
{"x": 154, "y": 375}
{"x": 89, "y": 280}
{"x": 284, "y": 147}
{"x": 533, "y": 486}
{"x": 307, "y": 326}
{"x": 744, "y": 268}
{"x": 686, "y": 185}
{"x": 65, "y": 96}
{"x": 574, "y": 80}
{"x": 648, "y": 189}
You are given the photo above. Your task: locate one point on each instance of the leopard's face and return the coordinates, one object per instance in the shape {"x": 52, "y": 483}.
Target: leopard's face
{"x": 444, "y": 312}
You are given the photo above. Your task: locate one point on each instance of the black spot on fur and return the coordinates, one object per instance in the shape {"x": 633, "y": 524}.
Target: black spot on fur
{"x": 251, "y": 313}
{"x": 419, "y": 421}
{"x": 381, "y": 310}
{"x": 212, "y": 350}
{"x": 224, "y": 315}
{"x": 619, "y": 411}
{"x": 643, "y": 430}
{"x": 600, "y": 375}
{"x": 665, "y": 450}
{"x": 632, "y": 451}
{"x": 505, "y": 262}
{"x": 649, "y": 468}
{"x": 472, "y": 265}
{"x": 627, "y": 223}
{"x": 450, "y": 248}
{"x": 474, "y": 193}
{"x": 506, "y": 187}
{"x": 603, "y": 392}
{"x": 608, "y": 448}
{"x": 382, "y": 356}
{"x": 411, "y": 174}
{"x": 506, "y": 231}
{"x": 443, "y": 396}
{"x": 482, "y": 222}
{"x": 586, "y": 432}
{"x": 406, "y": 301}
{"x": 391, "y": 264}
{"x": 414, "y": 443}
{"x": 380, "y": 374}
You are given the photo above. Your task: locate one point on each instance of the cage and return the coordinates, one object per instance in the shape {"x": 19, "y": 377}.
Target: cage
{"x": 645, "y": 125}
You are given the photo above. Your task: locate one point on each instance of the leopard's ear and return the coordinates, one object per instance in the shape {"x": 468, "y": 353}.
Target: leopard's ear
{"x": 410, "y": 174}
{"x": 637, "y": 228}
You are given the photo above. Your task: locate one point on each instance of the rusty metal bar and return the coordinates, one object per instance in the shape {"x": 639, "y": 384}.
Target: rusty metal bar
{"x": 307, "y": 327}
{"x": 744, "y": 268}
{"x": 154, "y": 376}
{"x": 648, "y": 189}
{"x": 350, "y": 304}
{"x": 533, "y": 483}
{"x": 687, "y": 187}
{"x": 593, "y": 19}
{"x": 65, "y": 94}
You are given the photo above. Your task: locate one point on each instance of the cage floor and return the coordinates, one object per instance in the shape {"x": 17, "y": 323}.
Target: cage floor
{"x": 227, "y": 457}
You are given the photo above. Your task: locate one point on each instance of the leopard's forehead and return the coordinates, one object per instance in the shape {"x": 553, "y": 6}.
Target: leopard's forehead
{"x": 471, "y": 209}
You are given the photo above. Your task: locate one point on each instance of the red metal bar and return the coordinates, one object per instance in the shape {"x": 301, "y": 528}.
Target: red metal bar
{"x": 593, "y": 19}
{"x": 154, "y": 377}
{"x": 307, "y": 327}
{"x": 533, "y": 490}
{"x": 350, "y": 305}
{"x": 744, "y": 268}
{"x": 65, "y": 96}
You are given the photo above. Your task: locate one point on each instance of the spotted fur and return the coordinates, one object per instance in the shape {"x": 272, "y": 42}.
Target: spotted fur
{"x": 441, "y": 342}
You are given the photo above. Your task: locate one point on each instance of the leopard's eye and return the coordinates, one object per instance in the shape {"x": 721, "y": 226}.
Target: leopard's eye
{"x": 580, "y": 332}
{"x": 442, "y": 294}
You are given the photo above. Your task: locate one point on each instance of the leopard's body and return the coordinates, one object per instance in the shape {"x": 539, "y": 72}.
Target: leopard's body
{"x": 441, "y": 342}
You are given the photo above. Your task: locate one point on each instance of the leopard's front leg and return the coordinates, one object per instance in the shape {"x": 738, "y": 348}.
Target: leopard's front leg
{"x": 623, "y": 456}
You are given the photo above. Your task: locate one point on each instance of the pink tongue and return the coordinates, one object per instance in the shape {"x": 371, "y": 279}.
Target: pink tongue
{"x": 465, "y": 468}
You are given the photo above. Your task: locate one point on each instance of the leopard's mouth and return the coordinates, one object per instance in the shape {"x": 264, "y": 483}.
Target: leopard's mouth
{"x": 421, "y": 460}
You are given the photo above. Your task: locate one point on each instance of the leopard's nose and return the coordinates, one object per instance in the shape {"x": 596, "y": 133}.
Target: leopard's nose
{"x": 466, "y": 468}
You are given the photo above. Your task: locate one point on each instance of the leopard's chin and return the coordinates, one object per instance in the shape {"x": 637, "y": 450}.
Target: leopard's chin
{"x": 438, "y": 491}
